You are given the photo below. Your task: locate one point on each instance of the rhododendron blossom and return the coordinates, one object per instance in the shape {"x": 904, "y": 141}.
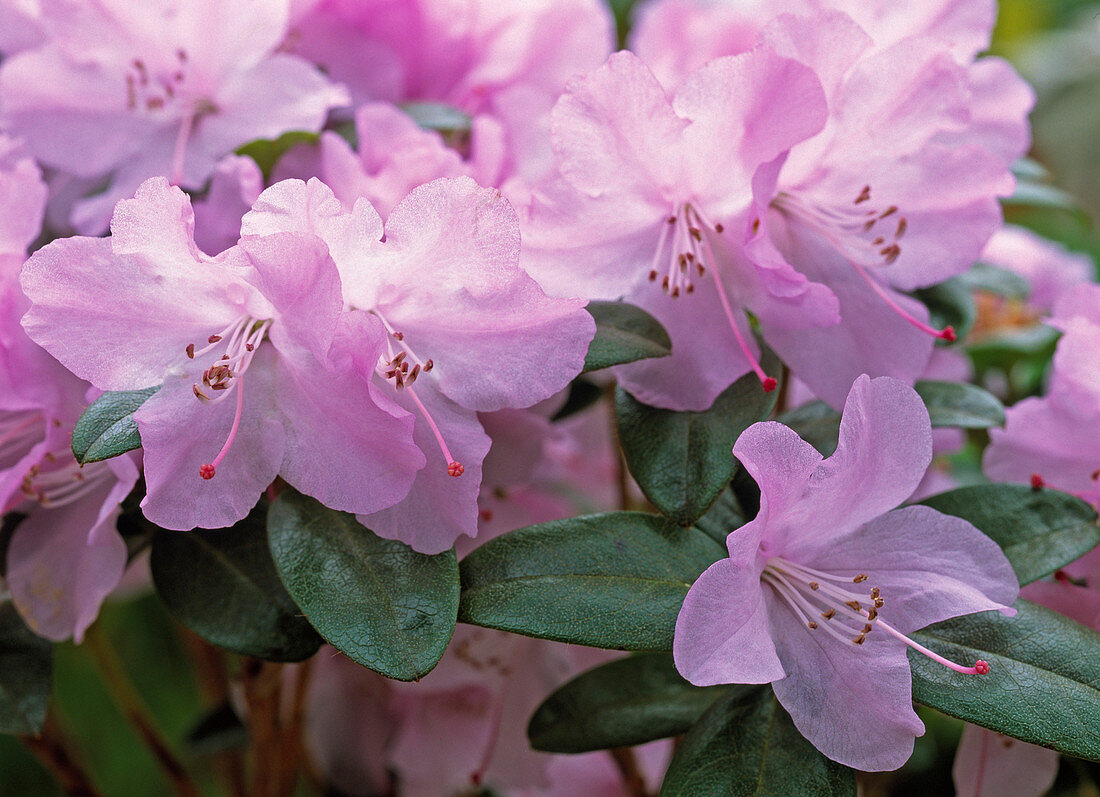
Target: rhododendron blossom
{"x": 263, "y": 371}
{"x": 467, "y": 330}
{"x": 672, "y": 221}
{"x": 180, "y": 84}
{"x": 822, "y": 588}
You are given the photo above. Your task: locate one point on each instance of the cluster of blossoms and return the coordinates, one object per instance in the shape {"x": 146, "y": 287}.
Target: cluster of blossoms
{"x": 385, "y": 318}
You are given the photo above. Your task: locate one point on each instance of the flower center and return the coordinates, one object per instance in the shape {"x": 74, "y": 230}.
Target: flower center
{"x": 225, "y": 376}
{"x": 828, "y": 603}
{"x": 684, "y": 245}
{"x": 59, "y": 480}
{"x": 396, "y": 369}
{"x": 165, "y": 91}
{"x": 868, "y": 236}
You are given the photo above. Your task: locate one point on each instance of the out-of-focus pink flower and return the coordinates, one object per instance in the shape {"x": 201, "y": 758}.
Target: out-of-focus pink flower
{"x": 989, "y": 764}
{"x": 235, "y": 186}
{"x": 177, "y": 85}
{"x": 1055, "y": 439}
{"x": 505, "y": 59}
{"x": 1049, "y": 268}
{"x": 822, "y": 586}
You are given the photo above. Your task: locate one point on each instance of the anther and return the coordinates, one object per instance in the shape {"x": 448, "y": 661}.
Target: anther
{"x": 653, "y": 275}
{"x": 859, "y": 640}
{"x": 854, "y": 605}
{"x": 815, "y": 586}
{"x": 864, "y": 195}
{"x": 1095, "y": 475}
{"x": 428, "y": 366}
{"x": 812, "y": 625}
{"x": 249, "y": 347}
{"x": 829, "y": 615}
{"x": 190, "y": 351}
{"x": 719, "y": 228}
{"x": 399, "y": 335}
{"x": 903, "y": 225}
{"x": 756, "y": 227}
{"x": 860, "y": 578}
{"x": 888, "y": 212}
{"x": 213, "y": 338}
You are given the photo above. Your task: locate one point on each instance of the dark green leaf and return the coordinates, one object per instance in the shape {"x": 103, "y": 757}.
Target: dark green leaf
{"x": 1039, "y": 530}
{"x": 107, "y": 428}
{"x": 267, "y": 151}
{"x": 728, "y": 512}
{"x": 745, "y": 745}
{"x": 817, "y": 423}
{"x": 950, "y": 303}
{"x": 623, "y": 703}
{"x": 26, "y": 671}
{"x": 610, "y": 581}
{"x": 582, "y": 395}
{"x": 683, "y": 460}
{"x": 1033, "y": 194}
{"x": 958, "y": 404}
{"x": 1043, "y": 685}
{"x": 217, "y": 730}
{"x": 1005, "y": 349}
{"x": 378, "y": 601}
{"x": 222, "y": 584}
{"x": 624, "y": 333}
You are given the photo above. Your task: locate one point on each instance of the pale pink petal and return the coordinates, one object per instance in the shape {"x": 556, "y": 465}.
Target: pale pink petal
{"x": 722, "y": 631}
{"x": 439, "y": 507}
{"x": 179, "y": 434}
{"x": 864, "y": 722}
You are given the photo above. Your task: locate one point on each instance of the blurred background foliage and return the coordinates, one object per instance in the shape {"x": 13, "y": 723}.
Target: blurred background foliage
{"x": 1054, "y": 43}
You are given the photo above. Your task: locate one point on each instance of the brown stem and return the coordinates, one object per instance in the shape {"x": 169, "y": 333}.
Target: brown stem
{"x": 263, "y": 693}
{"x": 209, "y": 665}
{"x": 121, "y": 689}
{"x": 51, "y": 749}
{"x": 784, "y": 391}
{"x": 628, "y": 767}
{"x": 292, "y": 731}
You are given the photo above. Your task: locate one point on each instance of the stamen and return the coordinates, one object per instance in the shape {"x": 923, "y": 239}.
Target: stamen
{"x": 981, "y": 667}
{"x": 947, "y": 333}
{"x": 454, "y": 467}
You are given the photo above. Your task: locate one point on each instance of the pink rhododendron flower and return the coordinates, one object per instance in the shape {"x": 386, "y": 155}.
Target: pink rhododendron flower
{"x": 178, "y": 84}
{"x": 467, "y": 330}
{"x": 65, "y": 555}
{"x": 1055, "y": 439}
{"x": 658, "y": 203}
{"x": 989, "y": 764}
{"x": 822, "y": 587}
{"x": 503, "y": 59}
{"x": 263, "y": 371}
{"x": 1049, "y": 268}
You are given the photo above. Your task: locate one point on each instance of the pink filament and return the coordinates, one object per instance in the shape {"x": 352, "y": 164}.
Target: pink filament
{"x": 947, "y": 333}
{"x": 454, "y": 467}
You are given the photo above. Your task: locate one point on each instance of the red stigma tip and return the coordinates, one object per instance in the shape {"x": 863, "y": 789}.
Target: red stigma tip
{"x": 455, "y": 469}
{"x": 207, "y": 471}
{"x": 1061, "y": 576}
{"x": 475, "y": 778}
{"x": 949, "y": 335}
{"x": 769, "y": 384}
{"x": 981, "y": 667}
{"x": 1037, "y": 482}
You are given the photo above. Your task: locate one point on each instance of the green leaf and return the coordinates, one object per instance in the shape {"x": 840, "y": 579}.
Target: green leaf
{"x": 623, "y": 703}
{"x": 267, "y": 151}
{"x": 683, "y": 460}
{"x": 1039, "y": 530}
{"x": 437, "y": 116}
{"x": 1032, "y": 194}
{"x": 377, "y": 601}
{"x": 817, "y": 423}
{"x": 609, "y": 581}
{"x": 962, "y": 405}
{"x": 26, "y": 672}
{"x": 624, "y": 333}
{"x": 745, "y": 745}
{"x": 1043, "y": 685}
{"x": 950, "y": 303}
{"x": 997, "y": 280}
{"x": 222, "y": 584}
{"x": 107, "y": 428}
{"x": 728, "y": 512}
